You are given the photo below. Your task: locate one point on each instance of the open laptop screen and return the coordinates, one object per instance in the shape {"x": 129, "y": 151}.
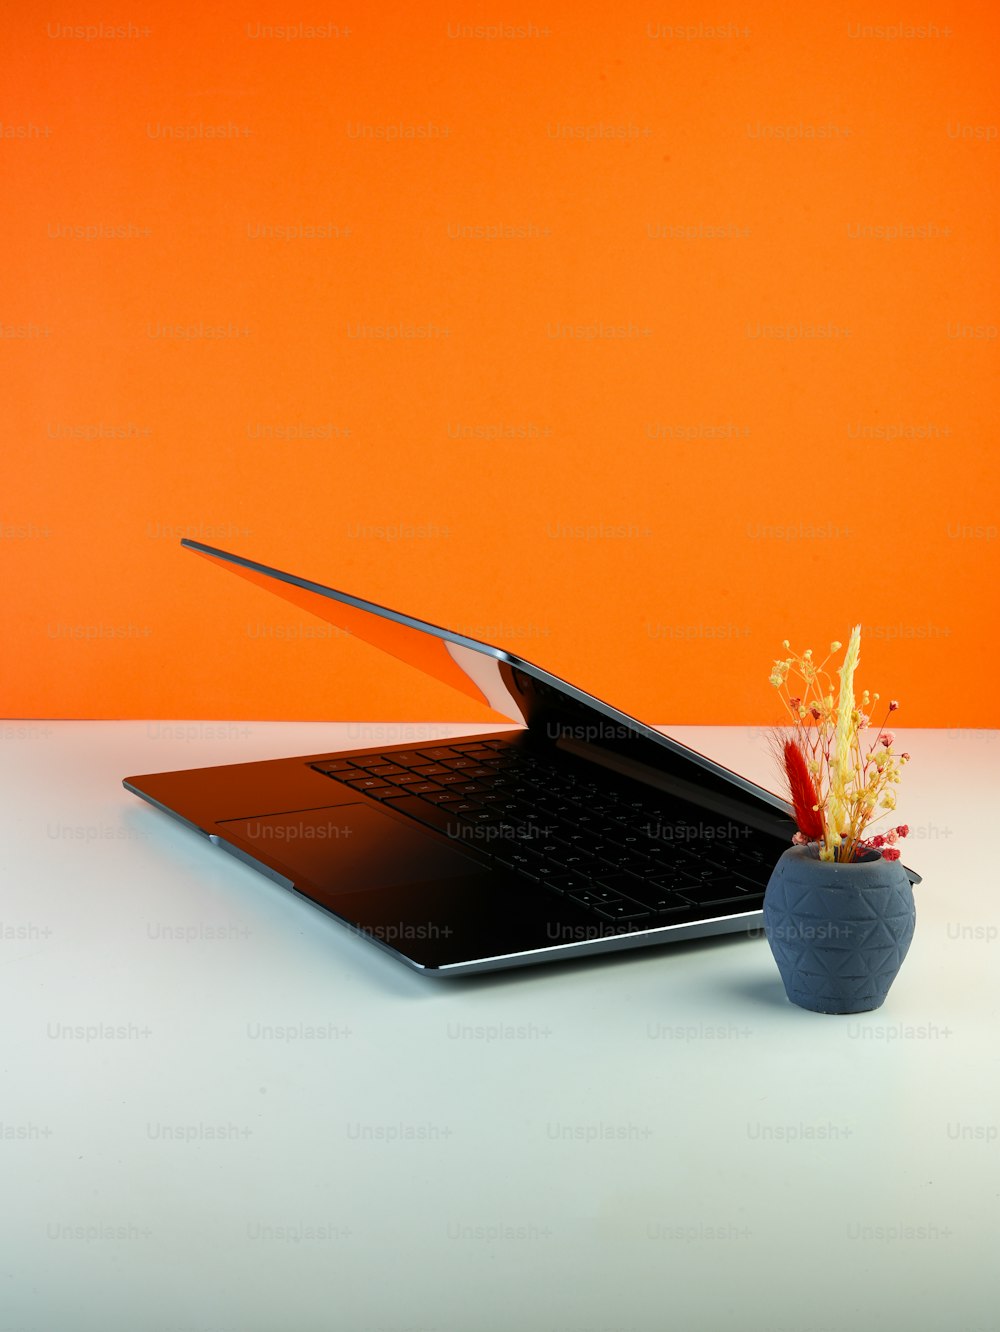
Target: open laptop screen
{"x": 520, "y": 691}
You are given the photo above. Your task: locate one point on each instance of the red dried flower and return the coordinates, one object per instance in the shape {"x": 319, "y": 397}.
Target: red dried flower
{"x": 903, "y": 830}
{"x": 802, "y": 792}
{"x": 890, "y": 853}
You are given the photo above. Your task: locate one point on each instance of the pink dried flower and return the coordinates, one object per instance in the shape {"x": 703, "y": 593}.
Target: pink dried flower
{"x": 890, "y": 853}
{"x": 888, "y": 738}
{"x": 906, "y": 757}
{"x": 891, "y": 836}
{"x": 815, "y": 714}
{"x": 800, "y": 839}
{"x": 893, "y": 705}
{"x": 794, "y": 703}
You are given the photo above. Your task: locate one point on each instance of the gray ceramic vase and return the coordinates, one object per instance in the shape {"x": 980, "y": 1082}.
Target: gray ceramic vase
{"x": 838, "y": 932}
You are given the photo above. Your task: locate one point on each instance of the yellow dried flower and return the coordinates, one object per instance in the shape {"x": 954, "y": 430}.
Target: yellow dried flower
{"x": 840, "y": 765}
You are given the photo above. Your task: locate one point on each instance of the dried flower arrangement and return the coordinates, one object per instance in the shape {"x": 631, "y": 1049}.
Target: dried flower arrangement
{"x": 837, "y": 783}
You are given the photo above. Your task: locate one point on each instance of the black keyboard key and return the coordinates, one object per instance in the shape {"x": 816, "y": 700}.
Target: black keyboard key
{"x": 621, "y": 859}
{"x": 654, "y": 867}
{"x": 602, "y": 851}
{"x": 672, "y": 910}
{"x": 505, "y": 835}
{"x": 536, "y": 839}
{"x": 405, "y": 758}
{"x": 724, "y": 851}
{"x": 431, "y": 769}
{"x": 709, "y": 895}
{"x": 433, "y": 816}
{"x": 586, "y": 820}
{"x": 593, "y": 896}
{"x": 575, "y": 838}
{"x": 571, "y": 860}
{"x": 508, "y": 807}
{"x": 550, "y": 873}
{"x": 561, "y": 882}
{"x": 616, "y": 834}
{"x": 363, "y": 783}
{"x": 432, "y": 755}
{"x": 523, "y": 861}
{"x": 386, "y": 770}
{"x": 332, "y": 766}
{"x": 708, "y": 873}
{"x": 660, "y": 851}
{"x": 423, "y": 788}
{"x": 670, "y": 882}
{"x": 552, "y": 851}
{"x": 750, "y": 876}
{"x": 621, "y": 883}
{"x": 622, "y": 911}
{"x": 656, "y": 899}
{"x": 632, "y": 838}
{"x": 685, "y": 860}
{"x": 383, "y": 792}
{"x": 751, "y": 887}
{"x": 527, "y": 812}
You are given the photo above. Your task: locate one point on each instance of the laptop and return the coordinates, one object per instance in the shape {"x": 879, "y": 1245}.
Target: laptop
{"x": 580, "y": 830}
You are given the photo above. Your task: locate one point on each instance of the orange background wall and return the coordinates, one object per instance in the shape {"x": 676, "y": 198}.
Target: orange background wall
{"x": 736, "y": 346}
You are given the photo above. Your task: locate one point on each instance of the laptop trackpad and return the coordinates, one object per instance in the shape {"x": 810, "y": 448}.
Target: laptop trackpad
{"x": 351, "y": 847}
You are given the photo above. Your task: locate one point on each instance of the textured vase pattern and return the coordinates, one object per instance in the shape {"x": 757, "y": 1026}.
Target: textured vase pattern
{"x": 839, "y": 933}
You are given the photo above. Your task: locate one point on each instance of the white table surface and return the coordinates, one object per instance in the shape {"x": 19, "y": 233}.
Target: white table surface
{"x": 221, "y": 1112}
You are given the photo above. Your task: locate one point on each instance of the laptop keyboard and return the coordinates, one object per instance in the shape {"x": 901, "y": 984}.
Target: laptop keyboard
{"x": 573, "y": 831}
